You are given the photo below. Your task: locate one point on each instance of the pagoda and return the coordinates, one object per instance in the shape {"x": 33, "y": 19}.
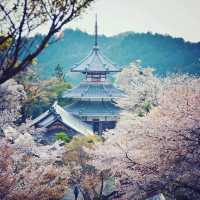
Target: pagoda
{"x": 94, "y": 98}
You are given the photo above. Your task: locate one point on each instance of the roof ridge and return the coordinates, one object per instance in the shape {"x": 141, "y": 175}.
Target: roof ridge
{"x": 84, "y": 59}
{"x": 80, "y": 123}
{"x": 65, "y": 117}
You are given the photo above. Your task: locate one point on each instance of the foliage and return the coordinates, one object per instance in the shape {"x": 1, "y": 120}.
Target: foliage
{"x": 59, "y": 73}
{"x": 56, "y": 89}
{"x": 141, "y": 113}
{"x": 6, "y": 43}
{"x": 147, "y": 106}
{"x": 63, "y": 136}
{"x": 40, "y": 93}
{"x": 19, "y": 19}
{"x": 82, "y": 142}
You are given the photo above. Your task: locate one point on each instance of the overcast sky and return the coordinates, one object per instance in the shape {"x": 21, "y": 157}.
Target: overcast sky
{"x": 175, "y": 17}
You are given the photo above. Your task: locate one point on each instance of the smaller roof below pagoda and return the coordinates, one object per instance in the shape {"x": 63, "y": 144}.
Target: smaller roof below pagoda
{"x": 93, "y": 108}
{"x": 57, "y": 113}
{"x": 96, "y": 62}
{"x": 94, "y": 90}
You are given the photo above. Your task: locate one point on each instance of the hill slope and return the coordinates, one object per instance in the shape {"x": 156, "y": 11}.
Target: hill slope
{"x": 165, "y": 53}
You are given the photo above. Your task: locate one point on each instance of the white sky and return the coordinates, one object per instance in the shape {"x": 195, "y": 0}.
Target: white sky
{"x": 179, "y": 18}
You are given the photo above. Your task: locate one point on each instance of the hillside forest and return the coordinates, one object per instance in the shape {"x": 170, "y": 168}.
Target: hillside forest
{"x": 165, "y": 53}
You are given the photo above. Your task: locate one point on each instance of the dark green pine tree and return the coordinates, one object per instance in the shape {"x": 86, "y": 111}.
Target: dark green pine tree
{"x": 59, "y": 73}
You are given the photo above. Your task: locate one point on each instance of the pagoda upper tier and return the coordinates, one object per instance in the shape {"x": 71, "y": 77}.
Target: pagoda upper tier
{"x": 95, "y": 62}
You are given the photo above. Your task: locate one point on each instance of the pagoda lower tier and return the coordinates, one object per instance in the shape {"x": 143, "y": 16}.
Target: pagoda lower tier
{"x": 94, "y": 104}
{"x": 101, "y": 115}
{"x": 93, "y": 109}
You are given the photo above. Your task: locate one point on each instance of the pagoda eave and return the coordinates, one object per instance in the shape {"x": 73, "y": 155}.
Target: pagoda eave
{"x": 90, "y": 71}
{"x": 94, "y": 115}
{"x": 94, "y": 91}
{"x": 91, "y": 97}
{"x": 92, "y": 108}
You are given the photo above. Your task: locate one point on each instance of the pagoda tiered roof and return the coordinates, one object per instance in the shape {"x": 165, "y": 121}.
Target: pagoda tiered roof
{"x": 96, "y": 62}
{"x": 94, "y": 90}
{"x": 93, "y": 108}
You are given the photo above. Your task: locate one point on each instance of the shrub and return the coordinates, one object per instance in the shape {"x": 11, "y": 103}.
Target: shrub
{"x": 147, "y": 106}
{"x": 63, "y": 136}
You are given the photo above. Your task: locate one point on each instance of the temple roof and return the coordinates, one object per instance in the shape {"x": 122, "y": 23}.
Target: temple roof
{"x": 57, "y": 113}
{"x": 96, "y": 61}
{"x": 94, "y": 90}
{"x": 93, "y": 108}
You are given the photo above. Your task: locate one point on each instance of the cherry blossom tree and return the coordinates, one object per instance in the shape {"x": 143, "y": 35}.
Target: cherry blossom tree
{"x": 27, "y": 175}
{"x": 12, "y": 96}
{"x": 21, "y": 19}
{"x": 141, "y": 87}
{"x": 158, "y": 152}
{"x": 27, "y": 170}
{"x": 90, "y": 182}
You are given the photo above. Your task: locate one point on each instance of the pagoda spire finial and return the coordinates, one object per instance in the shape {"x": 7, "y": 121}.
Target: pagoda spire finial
{"x": 96, "y": 32}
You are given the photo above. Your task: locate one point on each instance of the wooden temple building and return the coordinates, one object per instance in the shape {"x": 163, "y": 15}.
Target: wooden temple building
{"x": 94, "y": 97}
{"x": 93, "y": 108}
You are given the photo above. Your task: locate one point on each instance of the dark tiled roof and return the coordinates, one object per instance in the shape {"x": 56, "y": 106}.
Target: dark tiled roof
{"x": 93, "y": 108}
{"x": 95, "y": 62}
{"x": 92, "y": 90}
